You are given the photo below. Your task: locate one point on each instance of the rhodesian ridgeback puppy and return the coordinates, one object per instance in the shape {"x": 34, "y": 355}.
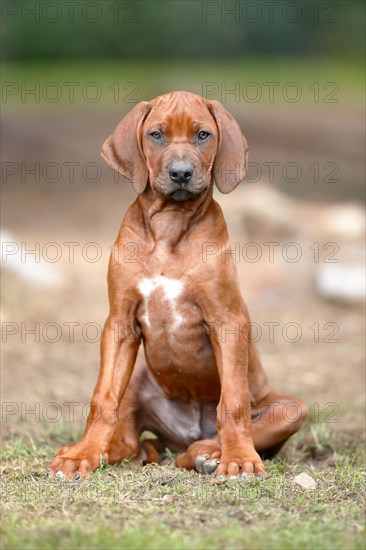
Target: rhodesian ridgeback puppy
{"x": 198, "y": 383}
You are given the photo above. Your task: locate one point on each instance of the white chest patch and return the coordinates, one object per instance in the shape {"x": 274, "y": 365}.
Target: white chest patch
{"x": 172, "y": 288}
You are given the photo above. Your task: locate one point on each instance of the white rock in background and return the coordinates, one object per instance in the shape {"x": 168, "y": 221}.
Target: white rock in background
{"x": 343, "y": 226}
{"x": 41, "y": 273}
{"x": 344, "y": 222}
{"x": 340, "y": 282}
{"x": 305, "y": 481}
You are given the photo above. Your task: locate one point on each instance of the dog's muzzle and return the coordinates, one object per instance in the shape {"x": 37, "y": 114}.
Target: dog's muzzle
{"x": 180, "y": 173}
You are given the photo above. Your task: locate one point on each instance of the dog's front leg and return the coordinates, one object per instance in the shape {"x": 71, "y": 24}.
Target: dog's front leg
{"x": 120, "y": 343}
{"x": 238, "y": 455}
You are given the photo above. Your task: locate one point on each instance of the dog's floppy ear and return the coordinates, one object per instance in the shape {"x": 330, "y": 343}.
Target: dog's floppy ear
{"x": 230, "y": 165}
{"x": 122, "y": 150}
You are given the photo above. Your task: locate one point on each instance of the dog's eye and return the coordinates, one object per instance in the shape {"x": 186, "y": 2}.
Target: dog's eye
{"x": 156, "y": 135}
{"x": 202, "y": 135}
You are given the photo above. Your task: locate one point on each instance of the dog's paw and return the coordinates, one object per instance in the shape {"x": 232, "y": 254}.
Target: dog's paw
{"x": 76, "y": 462}
{"x": 225, "y": 468}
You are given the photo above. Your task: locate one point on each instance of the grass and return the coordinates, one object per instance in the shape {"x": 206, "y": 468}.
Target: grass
{"x": 126, "y": 82}
{"x": 130, "y": 507}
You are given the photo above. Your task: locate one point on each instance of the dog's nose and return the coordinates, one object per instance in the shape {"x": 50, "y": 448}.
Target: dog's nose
{"x": 181, "y": 172}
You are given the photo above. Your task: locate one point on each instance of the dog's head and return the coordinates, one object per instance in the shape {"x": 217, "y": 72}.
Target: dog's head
{"x": 180, "y": 143}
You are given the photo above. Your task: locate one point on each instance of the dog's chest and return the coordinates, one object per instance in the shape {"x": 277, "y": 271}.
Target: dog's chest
{"x": 162, "y": 303}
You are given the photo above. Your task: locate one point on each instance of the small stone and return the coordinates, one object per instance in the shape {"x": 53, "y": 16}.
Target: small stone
{"x": 305, "y": 481}
{"x": 167, "y": 499}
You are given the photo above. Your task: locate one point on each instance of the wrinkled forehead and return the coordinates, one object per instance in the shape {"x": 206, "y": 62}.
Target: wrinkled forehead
{"x": 180, "y": 114}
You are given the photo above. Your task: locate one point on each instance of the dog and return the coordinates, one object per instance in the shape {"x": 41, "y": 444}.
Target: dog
{"x": 197, "y": 382}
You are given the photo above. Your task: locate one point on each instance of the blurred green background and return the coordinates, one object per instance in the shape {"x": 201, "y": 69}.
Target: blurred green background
{"x": 187, "y": 29}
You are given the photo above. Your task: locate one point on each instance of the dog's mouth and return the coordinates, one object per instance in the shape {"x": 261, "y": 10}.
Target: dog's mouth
{"x": 181, "y": 195}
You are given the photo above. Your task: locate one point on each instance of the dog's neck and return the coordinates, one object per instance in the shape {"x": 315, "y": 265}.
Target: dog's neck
{"x": 167, "y": 221}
